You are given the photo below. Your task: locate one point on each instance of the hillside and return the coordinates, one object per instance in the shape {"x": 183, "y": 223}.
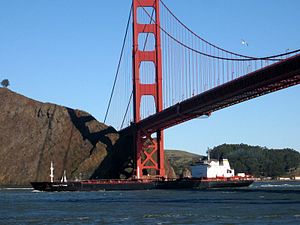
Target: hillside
{"x": 259, "y": 161}
{"x": 181, "y": 160}
{"x": 32, "y": 134}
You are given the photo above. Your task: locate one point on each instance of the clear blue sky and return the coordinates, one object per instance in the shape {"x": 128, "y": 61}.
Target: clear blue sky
{"x": 66, "y": 52}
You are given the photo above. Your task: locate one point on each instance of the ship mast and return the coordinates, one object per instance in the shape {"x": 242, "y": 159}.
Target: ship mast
{"x": 208, "y": 154}
{"x": 51, "y": 172}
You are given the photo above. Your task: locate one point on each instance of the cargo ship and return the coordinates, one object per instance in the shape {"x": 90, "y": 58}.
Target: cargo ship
{"x": 206, "y": 174}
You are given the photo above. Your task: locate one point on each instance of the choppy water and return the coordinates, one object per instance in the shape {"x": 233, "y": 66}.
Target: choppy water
{"x": 262, "y": 203}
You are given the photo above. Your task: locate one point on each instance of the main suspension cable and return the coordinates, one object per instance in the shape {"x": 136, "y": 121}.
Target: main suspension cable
{"x": 119, "y": 64}
{"x": 202, "y": 39}
{"x": 244, "y": 57}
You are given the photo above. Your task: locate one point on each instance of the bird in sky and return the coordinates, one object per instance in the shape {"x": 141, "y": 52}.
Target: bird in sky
{"x": 244, "y": 42}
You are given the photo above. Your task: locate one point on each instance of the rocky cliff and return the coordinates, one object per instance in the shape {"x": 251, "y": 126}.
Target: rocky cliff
{"x": 32, "y": 134}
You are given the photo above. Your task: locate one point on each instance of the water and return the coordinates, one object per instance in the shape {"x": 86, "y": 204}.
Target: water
{"x": 262, "y": 203}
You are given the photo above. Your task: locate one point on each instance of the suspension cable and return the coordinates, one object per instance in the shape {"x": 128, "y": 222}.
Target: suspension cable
{"x": 119, "y": 64}
{"x": 127, "y": 108}
{"x": 202, "y": 39}
{"x": 271, "y": 58}
{"x": 245, "y": 58}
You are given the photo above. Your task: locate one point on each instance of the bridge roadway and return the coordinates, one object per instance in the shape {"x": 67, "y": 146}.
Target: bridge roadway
{"x": 275, "y": 77}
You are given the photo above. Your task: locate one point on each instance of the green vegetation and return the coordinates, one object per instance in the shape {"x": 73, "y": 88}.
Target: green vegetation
{"x": 5, "y": 83}
{"x": 259, "y": 161}
{"x": 255, "y": 160}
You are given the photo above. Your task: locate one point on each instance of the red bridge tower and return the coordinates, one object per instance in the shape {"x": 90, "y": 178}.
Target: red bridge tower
{"x": 149, "y": 149}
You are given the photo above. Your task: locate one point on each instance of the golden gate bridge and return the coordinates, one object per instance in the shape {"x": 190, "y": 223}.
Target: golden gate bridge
{"x": 167, "y": 74}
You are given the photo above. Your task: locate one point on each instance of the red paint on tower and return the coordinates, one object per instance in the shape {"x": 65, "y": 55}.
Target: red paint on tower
{"x": 149, "y": 152}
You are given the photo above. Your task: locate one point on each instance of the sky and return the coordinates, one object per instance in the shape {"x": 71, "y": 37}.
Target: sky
{"x": 66, "y": 52}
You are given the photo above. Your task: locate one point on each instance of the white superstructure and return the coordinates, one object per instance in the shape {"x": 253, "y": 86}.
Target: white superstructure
{"x": 212, "y": 168}
{"x": 64, "y": 177}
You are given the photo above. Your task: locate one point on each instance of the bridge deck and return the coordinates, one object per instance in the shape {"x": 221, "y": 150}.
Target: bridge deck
{"x": 277, "y": 76}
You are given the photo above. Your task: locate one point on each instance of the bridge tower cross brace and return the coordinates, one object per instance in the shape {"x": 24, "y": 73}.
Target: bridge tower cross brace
{"x": 149, "y": 152}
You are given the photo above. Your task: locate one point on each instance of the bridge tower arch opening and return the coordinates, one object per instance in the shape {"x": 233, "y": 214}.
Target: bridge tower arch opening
{"x": 149, "y": 145}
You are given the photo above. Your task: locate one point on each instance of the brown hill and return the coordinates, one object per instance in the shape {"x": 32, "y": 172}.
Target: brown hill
{"x": 32, "y": 134}
{"x": 181, "y": 161}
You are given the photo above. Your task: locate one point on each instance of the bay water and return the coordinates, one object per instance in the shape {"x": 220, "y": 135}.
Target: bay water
{"x": 261, "y": 203}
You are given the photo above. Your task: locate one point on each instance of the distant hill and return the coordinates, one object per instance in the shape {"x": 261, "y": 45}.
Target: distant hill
{"x": 181, "y": 160}
{"x": 259, "y": 161}
{"x": 254, "y": 160}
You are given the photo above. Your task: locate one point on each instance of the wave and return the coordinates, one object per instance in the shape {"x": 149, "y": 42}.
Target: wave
{"x": 280, "y": 185}
{"x": 15, "y": 188}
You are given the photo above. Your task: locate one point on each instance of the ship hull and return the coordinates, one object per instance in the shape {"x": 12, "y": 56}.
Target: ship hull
{"x": 204, "y": 183}
{"x": 100, "y": 185}
{"x": 115, "y": 185}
